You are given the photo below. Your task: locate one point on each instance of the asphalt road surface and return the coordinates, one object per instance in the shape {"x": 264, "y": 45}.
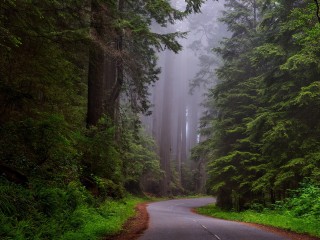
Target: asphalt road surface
{"x": 173, "y": 220}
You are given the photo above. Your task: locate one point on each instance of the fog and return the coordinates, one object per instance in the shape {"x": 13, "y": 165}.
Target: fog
{"x": 177, "y": 96}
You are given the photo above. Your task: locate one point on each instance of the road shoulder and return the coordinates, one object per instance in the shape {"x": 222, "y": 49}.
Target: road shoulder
{"x": 135, "y": 226}
{"x": 282, "y": 232}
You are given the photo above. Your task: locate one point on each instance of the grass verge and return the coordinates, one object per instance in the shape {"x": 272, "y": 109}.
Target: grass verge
{"x": 108, "y": 219}
{"x": 285, "y": 220}
{"x": 60, "y": 213}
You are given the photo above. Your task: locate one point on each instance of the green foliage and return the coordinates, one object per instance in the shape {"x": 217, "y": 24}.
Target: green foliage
{"x": 299, "y": 213}
{"x": 267, "y": 217}
{"x": 108, "y": 188}
{"x": 108, "y": 219}
{"x": 141, "y": 168}
{"x": 59, "y": 213}
{"x": 100, "y": 154}
{"x": 38, "y": 213}
{"x": 262, "y": 128}
{"x": 190, "y": 179}
{"x": 140, "y": 157}
{"x": 131, "y": 25}
{"x": 40, "y": 147}
{"x": 305, "y": 202}
{"x": 44, "y": 54}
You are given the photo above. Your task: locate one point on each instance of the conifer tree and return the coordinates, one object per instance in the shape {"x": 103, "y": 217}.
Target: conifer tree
{"x": 261, "y": 140}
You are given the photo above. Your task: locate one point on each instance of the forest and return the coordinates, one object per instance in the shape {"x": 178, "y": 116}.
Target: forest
{"x": 261, "y": 124}
{"x": 105, "y": 101}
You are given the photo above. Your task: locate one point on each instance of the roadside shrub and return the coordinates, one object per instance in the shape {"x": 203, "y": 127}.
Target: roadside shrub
{"x": 257, "y": 207}
{"x": 39, "y": 212}
{"x": 305, "y": 201}
{"x": 108, "y": 188}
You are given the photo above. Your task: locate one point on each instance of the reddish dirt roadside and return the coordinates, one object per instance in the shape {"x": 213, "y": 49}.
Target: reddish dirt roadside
{"x": 135, "y": 226}
{"x": 282, "y": 232}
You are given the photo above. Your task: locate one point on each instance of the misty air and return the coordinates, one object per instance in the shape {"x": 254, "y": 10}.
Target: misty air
{"x": 159, "y": 119}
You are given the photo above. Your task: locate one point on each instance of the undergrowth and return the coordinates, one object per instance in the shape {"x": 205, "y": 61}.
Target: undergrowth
{"x": 300, "y": 213}
{"x": 68, "y": 212}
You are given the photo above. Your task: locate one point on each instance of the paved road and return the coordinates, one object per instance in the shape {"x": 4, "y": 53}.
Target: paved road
{"x": 173, "y": 220}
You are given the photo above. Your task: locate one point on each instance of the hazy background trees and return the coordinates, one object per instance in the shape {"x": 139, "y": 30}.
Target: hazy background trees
{"x": 178, "y": 95}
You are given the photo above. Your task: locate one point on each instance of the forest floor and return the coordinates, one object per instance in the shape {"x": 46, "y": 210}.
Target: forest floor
{"x": 136, "y": 225}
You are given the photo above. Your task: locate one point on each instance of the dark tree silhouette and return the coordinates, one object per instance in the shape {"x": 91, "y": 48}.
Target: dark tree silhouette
{"x": 318, "y": 10}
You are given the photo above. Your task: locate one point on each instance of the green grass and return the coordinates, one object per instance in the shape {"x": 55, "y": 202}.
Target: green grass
{"x": 60, "y": 213}
{"x": 108, "y": 219}
{"x": 191, "y": 196}
{"x": 281, "y": 219}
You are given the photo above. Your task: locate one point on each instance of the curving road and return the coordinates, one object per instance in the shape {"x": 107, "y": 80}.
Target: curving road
{"x": 173, "y": 220}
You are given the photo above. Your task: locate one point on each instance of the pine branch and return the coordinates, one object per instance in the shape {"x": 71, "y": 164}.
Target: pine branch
{"x": 318, "y": 10}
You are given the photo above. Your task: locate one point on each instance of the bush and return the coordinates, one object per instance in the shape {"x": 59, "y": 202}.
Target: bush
{"x": 42, "y": 147}
{"x": 38, "y": 212}
{"x": 100, "y": 156}
{"x": 55, "y": 212}
{"x": 305, "y": 201}
{"x": 108, "y": 188}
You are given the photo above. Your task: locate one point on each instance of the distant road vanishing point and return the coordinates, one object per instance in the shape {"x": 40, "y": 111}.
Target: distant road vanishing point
{"x": 173, "y": 220}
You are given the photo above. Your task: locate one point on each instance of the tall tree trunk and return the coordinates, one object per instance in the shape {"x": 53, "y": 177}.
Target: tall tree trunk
{"x": 179, "y": 145}
{"x": 165, "y": 144}
{"x": 114, "y": 76}
{"x": 318, "y": 10}
{"x": 181, "y": 134}
{"x": 105, "y": 77}
{"x": 96, "y": 68}
{"x": 110, "y": 78}
{"x": 254, "y": 14}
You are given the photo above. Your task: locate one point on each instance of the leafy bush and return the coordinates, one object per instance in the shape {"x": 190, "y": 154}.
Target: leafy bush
{"x": 107, "y": 188}
{"x": 141, "y": 164}
{"x": 42, "y": 147}
{"x": 100, "y": 155}
{"x": 53, "y": 212}
{"x": 305, "y": 201}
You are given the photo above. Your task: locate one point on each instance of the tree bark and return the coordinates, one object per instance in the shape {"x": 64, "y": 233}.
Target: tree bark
{"x": 318, "y": 10}
{"x": 165, "y": 144}
{"x": 181, "y": 134}
{"x": 105, "y": 76}
{"x": 254, "y": 14}
{"x": 96, "y": 68}
{"x": 115, "y": 74}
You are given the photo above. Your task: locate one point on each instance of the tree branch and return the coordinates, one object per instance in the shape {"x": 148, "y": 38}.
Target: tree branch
{"x": 318, "y": 10}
